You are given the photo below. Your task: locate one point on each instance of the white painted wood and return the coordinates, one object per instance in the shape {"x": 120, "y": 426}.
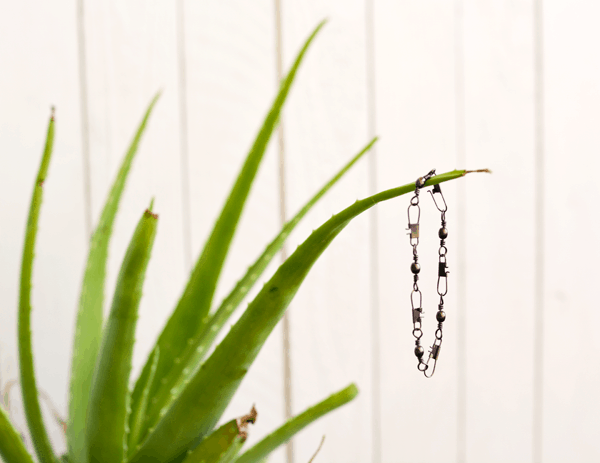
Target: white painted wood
{"x": 230, "y": 61}
{"x": 498, "y": 44}
{"x": 414, "y": 69}
{"x": 325, "y": 124}
{"x": 38, "y": 56}
{"x": 572, "y": 347}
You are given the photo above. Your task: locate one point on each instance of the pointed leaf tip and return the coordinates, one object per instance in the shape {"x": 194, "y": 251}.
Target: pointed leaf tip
{"x": 109, "y": 397}
{"x": 31, "y": 404}
{"x": 88, "y": 331}
{"x": 195, "y": 302}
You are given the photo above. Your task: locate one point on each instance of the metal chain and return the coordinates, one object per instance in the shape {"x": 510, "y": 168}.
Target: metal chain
{"x": 416, "y": 297}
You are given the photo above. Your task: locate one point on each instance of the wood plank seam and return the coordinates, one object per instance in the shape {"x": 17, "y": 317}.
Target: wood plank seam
{"x": 461, "y": 415}
{"x": 183, "y": 133}
{"x": 538, "y": 349}
{"x": 85, "y": 126}
{"x": 287, "y": 366}
{"x": 374, "y": 233}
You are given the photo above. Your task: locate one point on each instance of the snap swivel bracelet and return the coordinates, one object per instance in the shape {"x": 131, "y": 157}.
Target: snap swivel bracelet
{"x": 416, "y": 297}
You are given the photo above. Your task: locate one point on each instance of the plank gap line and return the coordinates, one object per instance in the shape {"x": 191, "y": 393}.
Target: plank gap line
{"x": 85, "y": 123}
{"x": 183, "y": 135}
{"x": 287, "y": 364}
{"x": 374, "y": 232}
{"x": 460, "y": 134}
{"x": 538, "y": 348}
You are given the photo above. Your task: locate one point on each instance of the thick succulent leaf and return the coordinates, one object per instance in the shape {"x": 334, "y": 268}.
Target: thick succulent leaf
{"x": 191, "y": 312}
{"x": 222, "y": 445}
{"x": 88, "y": 328}
{"x": 198, "y": 347}
{"x": 261, "y": 450}
{"x": 106, "y": 423}
{"x": 139, "y": 415}
{"x": 204, "y": 398}
{"x": 12, "y": 449}
{"x": 29, "y": 388}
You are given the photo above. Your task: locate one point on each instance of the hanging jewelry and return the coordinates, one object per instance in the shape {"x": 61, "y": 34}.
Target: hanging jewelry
{"x": 416, "y": 297}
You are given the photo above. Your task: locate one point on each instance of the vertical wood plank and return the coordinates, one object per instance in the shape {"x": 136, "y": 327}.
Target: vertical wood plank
{"x": 414, "y": 45}
{"x": 500, "y": 293}
{"x": 572, "y": 346}
{"x": 38, "y": 53}
{"x": 325, "y": 124}
{"x": 373, "y": 236}
{"x": 231, "y": 83}
{"x": 131, "y": 53}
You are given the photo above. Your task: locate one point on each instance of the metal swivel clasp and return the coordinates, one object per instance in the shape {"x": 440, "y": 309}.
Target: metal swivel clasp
{"x": 437, "y": 189}
{"x": 413, "y": 222}
{"x": 420, "y": 183}
{"x": 434, "y": 353}
{"x": 442, "y": 283}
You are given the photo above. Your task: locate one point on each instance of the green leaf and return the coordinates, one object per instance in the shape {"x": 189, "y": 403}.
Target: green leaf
{"x": 88, "y": 328}
{"x": 203, "y": 400}
{"x": 224, "y": 443}
{"x": 12, "y": 449}
{"x": 29, "y": 388}
{"x": 198, "y": 347}
{"x": 140, "y": 413}
{"x": 106, "y": 423}
{"x": 262, "y": 449}
{"x": 191, "y": 312}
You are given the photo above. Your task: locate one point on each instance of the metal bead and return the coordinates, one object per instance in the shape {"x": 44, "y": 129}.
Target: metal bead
{"x": 420, "y": 182}
{"x": 415, "y": 268}
{"x": 440, "y": 316}
{"x": 443, "y": 233}
{"x": 419, "y": 351}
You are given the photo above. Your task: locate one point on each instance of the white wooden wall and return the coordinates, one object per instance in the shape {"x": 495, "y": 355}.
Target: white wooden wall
{"x": 513, "y": 86}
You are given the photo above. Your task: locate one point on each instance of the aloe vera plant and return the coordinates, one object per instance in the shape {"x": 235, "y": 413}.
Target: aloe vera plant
{"x": 172, "y": 411}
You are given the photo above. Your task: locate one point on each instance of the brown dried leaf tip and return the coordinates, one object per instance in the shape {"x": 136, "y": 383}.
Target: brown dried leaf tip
{"x": 487, "y": 171}
{"x": 150, "y": 214}
{"x": 242, "y": 422}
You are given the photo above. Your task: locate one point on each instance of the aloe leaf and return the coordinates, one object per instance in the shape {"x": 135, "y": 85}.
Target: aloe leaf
{"x": 188, "y": 317}
{"x": 204, "y": 398}
{"x": 139, "y": 414}
{"x": 12, "y": 449}
{"x": 88, "y": 328}
{"x": 106, "y": 422}
{"x": 295, "y": 424}
{"x": 29, "y": 388}
{"x": 224, "y": 443}
{"x": 198, "y": 347}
